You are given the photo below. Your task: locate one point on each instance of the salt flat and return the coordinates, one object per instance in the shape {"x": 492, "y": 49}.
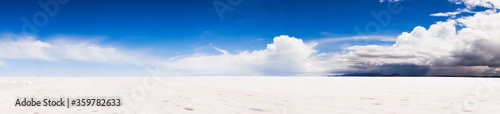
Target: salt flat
{"x": 257, "y": 94}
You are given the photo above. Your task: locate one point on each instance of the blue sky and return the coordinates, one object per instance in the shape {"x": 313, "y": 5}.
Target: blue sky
{"x": 179, "y": 26}
{"x": 169, "y": 28}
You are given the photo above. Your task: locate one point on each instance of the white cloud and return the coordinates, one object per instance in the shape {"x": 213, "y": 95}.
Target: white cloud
{"x": 19, "y": 47}
{"x": 26, "y": 48}
{"x": 445, "y": 14}
{"x": 441, "y": 47}
{"x": 416, "y": 47}
{"x": 470, "y": 4}
{"x": 221, "y": 50}
{"x": 285, "y": 56}
{"x": 475, "y": 3}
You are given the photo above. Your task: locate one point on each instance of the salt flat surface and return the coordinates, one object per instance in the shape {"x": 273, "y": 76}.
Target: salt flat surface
{"x": 286, "y": 95}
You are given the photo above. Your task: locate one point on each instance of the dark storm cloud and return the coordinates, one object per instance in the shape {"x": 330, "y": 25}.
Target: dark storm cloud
{"x": 388, "y": 69}
{"x": 482, "y": 53}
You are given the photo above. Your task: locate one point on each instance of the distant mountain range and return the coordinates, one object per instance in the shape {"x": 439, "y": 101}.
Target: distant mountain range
{"x": 398, "y": 75}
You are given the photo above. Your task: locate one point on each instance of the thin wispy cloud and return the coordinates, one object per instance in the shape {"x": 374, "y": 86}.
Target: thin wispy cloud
{"x": 451, "y": 14}
{"x": 19, "y": 47}
{"x": 373, "y": 37}
{"x": 390, "y": 0}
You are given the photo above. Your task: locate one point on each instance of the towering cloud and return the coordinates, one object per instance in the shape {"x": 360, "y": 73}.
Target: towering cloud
{"x": 285, "y": 56}
{"x": 447, "y": 50}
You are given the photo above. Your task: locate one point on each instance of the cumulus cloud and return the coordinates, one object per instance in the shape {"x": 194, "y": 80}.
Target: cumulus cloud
{"x": 285, "y": 56}
{"x": 446, "y": 50}
{"x": 15, "y": 47}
